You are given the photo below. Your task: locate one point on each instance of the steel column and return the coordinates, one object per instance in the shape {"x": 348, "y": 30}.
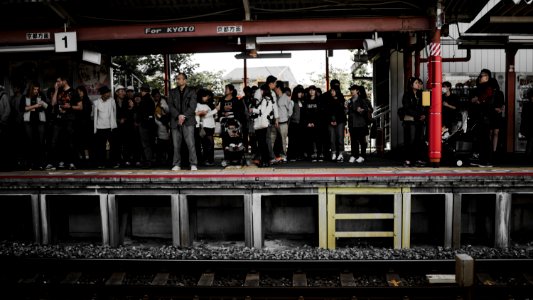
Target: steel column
{"x": 435, "y": 117}
{"x": 510, "y": 88}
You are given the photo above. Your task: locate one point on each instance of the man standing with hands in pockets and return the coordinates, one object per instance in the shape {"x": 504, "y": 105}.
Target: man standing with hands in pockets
{"x": 182, "y": 121}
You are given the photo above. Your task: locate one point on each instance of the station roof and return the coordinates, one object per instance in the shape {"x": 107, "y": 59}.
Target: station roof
{"x": 506, "y": 17}
{"x": 17, "y": 14}
{"x": 110, "y": 25}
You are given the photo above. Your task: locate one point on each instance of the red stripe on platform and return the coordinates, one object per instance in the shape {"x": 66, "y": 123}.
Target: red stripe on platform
{"x": 264, "y": 175}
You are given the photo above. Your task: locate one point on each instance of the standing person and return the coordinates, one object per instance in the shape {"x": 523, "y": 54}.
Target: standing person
{"x": 182, "y": 121}
{"x": 121, "y": 101}
{"x": 336, "y": 116}
{"x": 162, "y": 120}
{"x": 247, "y": 130}
{"x": 34, "y": 107}
{"x": 496, "y": 119}
{"x": 85, "y": 124}
{"x": 311, "y": 122}
{"x": 105, "y": 121}
{"x": 284, "y": 105}
{"x": 146, "y": 125}
{"x": 450, "y": 107}
{"x": 264, "y": 115}
{"x": 526, "y": 124}
{"x": 205, "y": 127}
{"x": 296, "y": 148}
{"x": 414, "y": 123}
{"x": 230, "y": 107}
{"x": 64, "y": 102}
{"x": 358, "y": 123}
{"x": 5, "y": 111}
{"x": 270, "y": 84}
{"x": 479, "y": 114}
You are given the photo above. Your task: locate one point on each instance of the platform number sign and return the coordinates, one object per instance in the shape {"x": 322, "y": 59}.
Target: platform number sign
{"x": 66, "y": 42}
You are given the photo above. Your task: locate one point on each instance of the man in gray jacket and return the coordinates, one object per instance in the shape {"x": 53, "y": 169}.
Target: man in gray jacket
{"x": 182, "y": 121}
{"x": 285, "y": 107}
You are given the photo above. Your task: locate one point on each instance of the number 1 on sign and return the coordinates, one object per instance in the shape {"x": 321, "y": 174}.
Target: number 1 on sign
{"x": 65, "y": 42}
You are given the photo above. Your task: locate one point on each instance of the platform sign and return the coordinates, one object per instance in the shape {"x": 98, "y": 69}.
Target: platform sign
{"x": 66, "y": 42}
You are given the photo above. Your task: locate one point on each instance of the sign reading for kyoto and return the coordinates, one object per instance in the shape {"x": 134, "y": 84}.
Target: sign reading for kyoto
{"x": 168, "y": 29}
{"x": 37, "y": 36}
{"x": 229, "y": 29}
{"x": 66, "y": 42}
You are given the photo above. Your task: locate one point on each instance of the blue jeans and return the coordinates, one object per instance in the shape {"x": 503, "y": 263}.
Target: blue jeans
{"x": 186, "y": 133}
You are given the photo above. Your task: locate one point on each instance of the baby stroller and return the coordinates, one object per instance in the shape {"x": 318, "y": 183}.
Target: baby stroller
{"x": 457, "y": 142}
{"x": 232, "y": 142}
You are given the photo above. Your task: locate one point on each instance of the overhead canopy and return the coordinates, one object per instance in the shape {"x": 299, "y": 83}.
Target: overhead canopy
{"x": 506, "y": 17}
{"x": 125, "y": 26}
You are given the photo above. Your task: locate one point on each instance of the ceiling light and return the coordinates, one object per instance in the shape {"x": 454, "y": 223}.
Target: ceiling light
{"x": 31, "y": 48}
{"x": 370, "y": 44}
{"x": 291, "y": 39}
{"x": 262, "y": 55}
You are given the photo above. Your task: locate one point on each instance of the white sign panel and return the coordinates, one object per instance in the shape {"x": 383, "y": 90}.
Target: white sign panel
{"x": 66, "y": 42}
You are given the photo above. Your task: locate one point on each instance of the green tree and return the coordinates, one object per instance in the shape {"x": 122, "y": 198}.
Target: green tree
{"x": 343, "y": 76}
{"x": 362, "y": 71}
{"x": 149, "y": 68}
{"x": 209, "y": 80}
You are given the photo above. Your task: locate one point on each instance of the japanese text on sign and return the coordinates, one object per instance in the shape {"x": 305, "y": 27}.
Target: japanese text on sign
{"x": 229, "y": 29}
{"x": 37, "y": 36}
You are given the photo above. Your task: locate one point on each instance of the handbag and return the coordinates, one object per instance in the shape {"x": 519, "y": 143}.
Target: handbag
{"x": 202, "y": 131}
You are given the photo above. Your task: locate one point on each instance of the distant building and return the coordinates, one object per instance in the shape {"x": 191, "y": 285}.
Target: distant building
{"x": 258, "y": 75}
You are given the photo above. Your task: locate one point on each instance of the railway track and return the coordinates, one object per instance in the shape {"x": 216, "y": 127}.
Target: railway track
{"x": 247, "y": 280}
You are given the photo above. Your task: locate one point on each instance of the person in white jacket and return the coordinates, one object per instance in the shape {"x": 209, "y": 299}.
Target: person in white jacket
{"x": 104, "y": 112}
{"x": 205, "y": 127}
{"x": 264, "y": 119}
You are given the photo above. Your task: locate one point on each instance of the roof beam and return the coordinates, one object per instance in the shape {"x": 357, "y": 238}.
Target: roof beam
{"x": 246, "y": 5}
{"x": 244, "y": 28}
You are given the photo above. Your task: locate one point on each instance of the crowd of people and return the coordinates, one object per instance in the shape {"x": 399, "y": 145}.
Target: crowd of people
{"x": 64, "y": 129}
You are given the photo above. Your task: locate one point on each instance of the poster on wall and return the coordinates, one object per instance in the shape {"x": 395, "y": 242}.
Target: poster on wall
{"x": 94, "y": 76}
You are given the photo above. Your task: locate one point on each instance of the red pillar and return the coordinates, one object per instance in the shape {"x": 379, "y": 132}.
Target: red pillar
{"x": 510, "y": 88}
{"x": 327, "y": 72}
{"x": 245, "y": 73}
{"x": 435, "y": 117}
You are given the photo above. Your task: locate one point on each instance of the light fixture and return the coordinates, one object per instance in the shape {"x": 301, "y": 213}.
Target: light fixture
{"x": 30, "y": 48}
{"x": 262, "y": 55}
{"x": 520, "y": 39}
{"x": 92, "y": 57}
{"x": 516, "y": 1}
{"x": 370, "y": 44}
{"x": 291, "y": 39}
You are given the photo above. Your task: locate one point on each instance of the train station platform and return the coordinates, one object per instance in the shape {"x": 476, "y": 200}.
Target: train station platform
{"x": 327, "y": 204}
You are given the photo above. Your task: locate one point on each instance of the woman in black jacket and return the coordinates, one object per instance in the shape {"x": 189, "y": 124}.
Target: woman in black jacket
{"x": 336, "y": 114}
{"x": 414, "y": 123}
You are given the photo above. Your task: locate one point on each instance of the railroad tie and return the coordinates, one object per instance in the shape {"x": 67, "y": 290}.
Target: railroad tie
{"x": 116, "y": 278}
{"x": 299, "y": 279}
{"x": 347, "y": 280}
{"x": 160, "y": 279}
{"x": 71, "y": 278}
{"x": 252, "y": 279}
{"x": 206, "y": 279}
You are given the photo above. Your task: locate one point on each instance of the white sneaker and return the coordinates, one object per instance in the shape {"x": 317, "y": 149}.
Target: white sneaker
{"x": 194, "y": 168}
{"x": 61, "y": 165}
{"x": 340, "y": 158}
{"x": 224, "y": 163}
{"x": 360, "y": 159}
{"x": 352, "y": 159}
{"x": 176, "y": 168}
{"x": 333, "y": 157}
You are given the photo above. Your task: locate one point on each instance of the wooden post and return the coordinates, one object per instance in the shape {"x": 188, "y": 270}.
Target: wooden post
{"x": 104, "y": 218}
{"x": 175, "y": 213}
{"x": 322, "y": 218}
{"x": 185, "y": 233}
{"x": 248, "y": 220}
{"x": 448, "y": 219}
{"x": 503, "y": 214}
{"x": 257, "y": 223}
{"x": 113, "y": 220}
{"x": 456, "y": 235}
{"x": 406, "y": 220}
{"x": 36, "y": 218}
{"x": 45, "y": 221}
{"x": 398, "y": 220}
